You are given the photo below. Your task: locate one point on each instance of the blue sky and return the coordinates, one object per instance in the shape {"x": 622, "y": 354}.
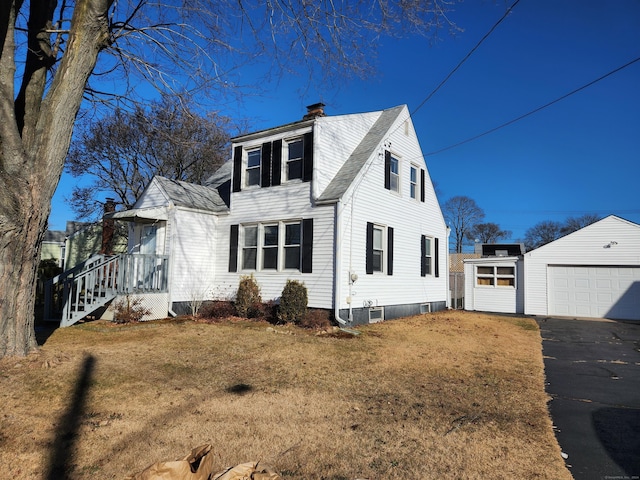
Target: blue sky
{"x": 578, "y": 156}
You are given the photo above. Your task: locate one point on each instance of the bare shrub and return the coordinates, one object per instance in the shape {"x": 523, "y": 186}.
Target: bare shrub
{"x": 129, "y": 310}
{"x": 316, "y": 319}
{"x": 218, "y": 309}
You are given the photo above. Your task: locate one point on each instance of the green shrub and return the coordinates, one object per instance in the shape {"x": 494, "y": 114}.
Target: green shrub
{"x": 293, "y": 302}
{"x": 248, "y": 296}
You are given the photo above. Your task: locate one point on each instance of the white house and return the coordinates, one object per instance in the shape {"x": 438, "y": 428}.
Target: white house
{"x": 593, "y": 272}
{"x": 342, "y": 203}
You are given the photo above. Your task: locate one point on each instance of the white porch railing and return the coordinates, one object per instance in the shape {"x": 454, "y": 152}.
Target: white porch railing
{"x": 91, "y": 285}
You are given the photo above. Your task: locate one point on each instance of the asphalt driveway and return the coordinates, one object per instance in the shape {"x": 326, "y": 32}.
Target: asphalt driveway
{"x": 593, "y": 376}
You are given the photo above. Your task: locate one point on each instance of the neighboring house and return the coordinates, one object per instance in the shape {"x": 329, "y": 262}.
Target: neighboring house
{"x": 593, "y": 272}
{"x": 494, "y": 281}
{"x": 53, "y": 247}
{"x": 344, "y": 204}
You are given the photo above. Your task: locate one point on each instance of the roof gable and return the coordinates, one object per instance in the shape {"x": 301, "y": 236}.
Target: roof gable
{"x": 359, "y": 157}
{"x": 609, "y": 227}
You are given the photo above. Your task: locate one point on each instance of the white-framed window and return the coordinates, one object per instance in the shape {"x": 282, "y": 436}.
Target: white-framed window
{"x": 427, "y": 259}
{"x": 250, "y": 247}
{"x": 272, "y": 246}
{"x": 253, "y": 167}
{"x": 495, "y": 276}
{"x": 378, "y": 248}
{"x": 413, "y": 182}
{"x": 295, "y": 154}
{"x": 292, "y": 245}
{"x": 394, "y": 174}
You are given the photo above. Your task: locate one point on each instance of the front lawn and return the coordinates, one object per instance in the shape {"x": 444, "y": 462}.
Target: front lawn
{"x": 451, "y": 395}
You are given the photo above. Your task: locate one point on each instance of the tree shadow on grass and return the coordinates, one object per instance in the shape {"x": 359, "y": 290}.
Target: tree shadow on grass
{"x": 60, "y": 463}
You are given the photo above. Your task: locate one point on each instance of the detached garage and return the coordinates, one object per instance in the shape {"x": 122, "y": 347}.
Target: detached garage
{"x": 593, "y": 272}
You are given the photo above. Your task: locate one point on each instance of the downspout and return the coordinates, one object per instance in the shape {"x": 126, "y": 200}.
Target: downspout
{"x": 337, "y": 265}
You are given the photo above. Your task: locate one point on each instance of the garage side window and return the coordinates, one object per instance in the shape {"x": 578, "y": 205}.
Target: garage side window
{"x": 495, "y": 276}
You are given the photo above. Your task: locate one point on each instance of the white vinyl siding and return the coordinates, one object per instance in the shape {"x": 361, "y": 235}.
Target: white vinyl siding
{"x": 589, "y": 247}
{"x": 284, "y": 204}
{"x": 193, "y": 256}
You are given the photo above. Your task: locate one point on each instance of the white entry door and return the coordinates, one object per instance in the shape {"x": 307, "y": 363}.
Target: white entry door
{"x": 594, "y": 291}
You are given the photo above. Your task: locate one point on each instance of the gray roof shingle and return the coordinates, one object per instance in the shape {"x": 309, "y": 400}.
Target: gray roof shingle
{"x": 190, "y": 195}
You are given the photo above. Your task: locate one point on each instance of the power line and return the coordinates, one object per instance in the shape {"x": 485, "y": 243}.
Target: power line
{"x": 536, "y": 110}
{"x": 466, "y": 57}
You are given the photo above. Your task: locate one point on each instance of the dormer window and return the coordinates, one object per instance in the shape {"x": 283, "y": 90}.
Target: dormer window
{"x": 253, "y": 167}
{"x": 294, "y": 159}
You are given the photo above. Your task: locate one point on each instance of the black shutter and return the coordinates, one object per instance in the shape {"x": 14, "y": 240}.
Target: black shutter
{"x": 237, "y": 168}
{"x": 423, "y": 256}
{"x": 276, "y": 163}
{"x": 389, "y": 251}
{"x": 421, "y": 185}
{"x": 265, "y": 165}
{"x": 387, "y": 170}
{"x": 233, "y": 249}
{"x": 307, "y": 161}
{"x": 369, "y": 267}
{"x": 436, "y": 255}
{"x": 307, "y": 245}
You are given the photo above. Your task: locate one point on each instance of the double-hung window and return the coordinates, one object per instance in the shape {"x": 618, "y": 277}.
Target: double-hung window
{"x": 394, "y": 173}
{"x": 250, "y": 247}
{"x": 292, "y": 244}
{"x": 270, "y": 247}
{"x": 295, "y": 153}
{"x": 274, "y": 246}
{"x": 253, "y": 167}
{"x": 427, "y": 259}
{"x": 413, "y": 182}
{"x": 378, "y": 248}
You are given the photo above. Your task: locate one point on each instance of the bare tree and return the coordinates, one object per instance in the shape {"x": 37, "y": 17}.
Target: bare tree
{"x": 124, "y": 150}
{"x": 542, "y": 233}
{"x": 487, "y": 233}
{"x": 50, "y": 49}
{"x": 573, "y": 224}
{"x": 461, "y": 214}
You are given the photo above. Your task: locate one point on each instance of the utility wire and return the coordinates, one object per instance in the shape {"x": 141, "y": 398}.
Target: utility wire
{"x": 466, "y": 57}
{"x": 535, "y": 110}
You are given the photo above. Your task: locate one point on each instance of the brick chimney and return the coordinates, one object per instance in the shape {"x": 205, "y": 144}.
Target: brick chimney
{"x": 108, "y": 228}
{"x": 314, "y": 111}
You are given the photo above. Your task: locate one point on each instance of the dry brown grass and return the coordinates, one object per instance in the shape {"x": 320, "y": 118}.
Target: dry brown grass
{"x": 453, "y": 395}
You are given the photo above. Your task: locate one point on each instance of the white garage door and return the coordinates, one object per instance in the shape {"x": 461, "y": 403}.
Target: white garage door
{"x": 600, "y": 292}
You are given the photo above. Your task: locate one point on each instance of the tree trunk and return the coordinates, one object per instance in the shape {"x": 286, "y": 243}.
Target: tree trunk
{"x": 35, "y": 133}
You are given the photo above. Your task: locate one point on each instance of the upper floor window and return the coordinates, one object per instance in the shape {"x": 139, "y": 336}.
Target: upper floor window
{"x": 413, "y": 182}
{"x": 391, "y": 172}
{"x": 294, "y": 159}
{"x": 253, "y": 167}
